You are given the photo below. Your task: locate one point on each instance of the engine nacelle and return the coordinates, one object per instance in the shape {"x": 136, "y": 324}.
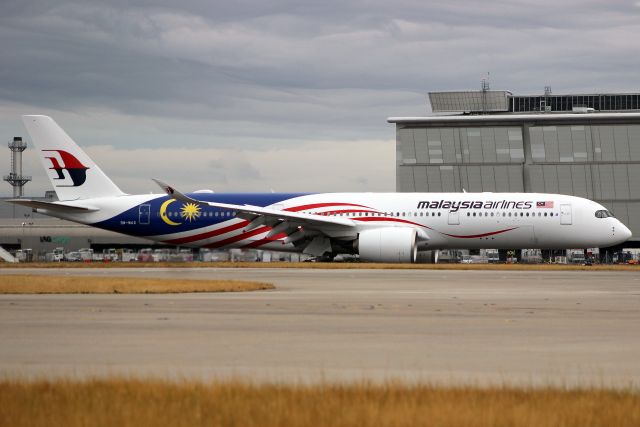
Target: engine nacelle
{"x": 390, "y": 244}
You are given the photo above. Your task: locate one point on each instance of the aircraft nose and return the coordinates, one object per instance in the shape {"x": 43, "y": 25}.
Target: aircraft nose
{"x": 624, "y": 232}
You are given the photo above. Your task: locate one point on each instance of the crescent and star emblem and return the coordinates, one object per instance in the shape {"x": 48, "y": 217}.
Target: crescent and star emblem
{"x": 163, "y": 212}
{"x": 189, "y": 212}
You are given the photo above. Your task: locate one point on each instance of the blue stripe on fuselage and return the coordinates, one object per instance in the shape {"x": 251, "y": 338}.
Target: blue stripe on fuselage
{"x": 130, "y": 221}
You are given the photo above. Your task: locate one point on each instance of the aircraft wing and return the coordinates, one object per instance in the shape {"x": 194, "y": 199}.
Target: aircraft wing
{"x": 281, "y": 221}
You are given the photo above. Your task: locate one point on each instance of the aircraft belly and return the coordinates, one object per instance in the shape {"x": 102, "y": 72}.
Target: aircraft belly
{"x": 502, "y": 236}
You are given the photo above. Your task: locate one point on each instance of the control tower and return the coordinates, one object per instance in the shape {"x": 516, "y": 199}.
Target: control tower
{"x": 15, "y": 177}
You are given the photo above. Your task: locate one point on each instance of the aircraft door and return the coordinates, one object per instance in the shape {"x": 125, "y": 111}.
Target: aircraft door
{"x": 144, "y": 214}
{"x": 454, "y": 218}
{"x": 565, "y": 214}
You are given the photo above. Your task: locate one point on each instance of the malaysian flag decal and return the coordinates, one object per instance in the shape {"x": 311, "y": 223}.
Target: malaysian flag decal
{"x": 544, "y": 204}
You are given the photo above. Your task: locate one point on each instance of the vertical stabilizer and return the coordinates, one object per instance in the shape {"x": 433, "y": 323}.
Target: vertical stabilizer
{"x": 72, "y": 173}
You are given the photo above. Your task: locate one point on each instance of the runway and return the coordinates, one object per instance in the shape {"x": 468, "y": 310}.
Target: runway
{"x": 481, "y": 327}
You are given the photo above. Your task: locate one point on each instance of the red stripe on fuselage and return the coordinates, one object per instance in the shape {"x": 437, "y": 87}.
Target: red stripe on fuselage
{"x": 238, "y": 238}
{"x": 321, "y": 205}
{"x": 233, "y": 227}
{"x": 458, "y": 236}
{"x": 212, "y": 233}
{"x": 266, "y": 240}
{"x": 473, "y": 236}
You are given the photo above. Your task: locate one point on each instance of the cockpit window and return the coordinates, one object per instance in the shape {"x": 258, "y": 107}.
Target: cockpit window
{"x": 603, "y": 214}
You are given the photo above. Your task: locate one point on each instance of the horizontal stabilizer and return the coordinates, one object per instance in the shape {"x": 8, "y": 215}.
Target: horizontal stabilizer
{"x": 52, "y": 206}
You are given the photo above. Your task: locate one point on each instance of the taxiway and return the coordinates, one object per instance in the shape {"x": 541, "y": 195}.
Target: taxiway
{"x": 526, "y": 327}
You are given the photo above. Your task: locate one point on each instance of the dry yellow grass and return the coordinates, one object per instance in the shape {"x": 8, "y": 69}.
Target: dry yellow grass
{"x": 34, "y": 284}
{"x": 330, "y": 265}
{"x": 123, "y": 402}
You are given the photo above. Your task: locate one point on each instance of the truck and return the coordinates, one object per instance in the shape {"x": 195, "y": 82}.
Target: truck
{"x": 56, "y": 255}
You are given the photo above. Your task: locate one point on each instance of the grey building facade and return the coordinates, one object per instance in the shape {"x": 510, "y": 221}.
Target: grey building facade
{"x": 595, "y": 155}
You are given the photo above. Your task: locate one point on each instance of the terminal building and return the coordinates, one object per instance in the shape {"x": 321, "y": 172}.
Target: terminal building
{"x": 583, "y": 145}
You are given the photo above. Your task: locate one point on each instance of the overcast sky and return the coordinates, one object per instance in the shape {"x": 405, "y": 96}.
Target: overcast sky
{"x": 255, "y": 95}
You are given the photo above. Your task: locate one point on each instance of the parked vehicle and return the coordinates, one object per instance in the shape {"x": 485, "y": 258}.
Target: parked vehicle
{"x": 145, "y": 255}
{"x": 24, "y": 255}
{"x": 161, "y": 255}
{"x": 56, "y": 256}
{"x": 73, "y": 256}
{"x": 128, "y": 255}
{"x": 86, "y": 254}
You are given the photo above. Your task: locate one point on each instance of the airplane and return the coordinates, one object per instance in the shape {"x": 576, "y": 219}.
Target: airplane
{"x": 378, "y": 227}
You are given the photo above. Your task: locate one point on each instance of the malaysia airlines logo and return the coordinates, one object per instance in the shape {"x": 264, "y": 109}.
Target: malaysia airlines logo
{"x": 544, "y": 205}
{"x": 75, "y": 169}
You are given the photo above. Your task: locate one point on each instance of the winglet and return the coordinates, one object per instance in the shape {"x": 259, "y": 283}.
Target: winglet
{"x": 172, "y": 192}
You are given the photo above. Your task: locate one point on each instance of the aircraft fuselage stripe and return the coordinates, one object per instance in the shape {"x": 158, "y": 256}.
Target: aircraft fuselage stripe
{"x": 473, "y": 236}
{"x": 208, "y": 234}
{"x": 238, "y": 238}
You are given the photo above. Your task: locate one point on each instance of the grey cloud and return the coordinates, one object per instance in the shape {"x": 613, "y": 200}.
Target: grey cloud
{"x": 232, "y": 167}
{"x": 100, "y": 53}
{"x": 280, "y": 74}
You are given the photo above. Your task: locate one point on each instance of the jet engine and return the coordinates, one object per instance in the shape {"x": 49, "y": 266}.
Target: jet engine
{"x": 389, "y": 244}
